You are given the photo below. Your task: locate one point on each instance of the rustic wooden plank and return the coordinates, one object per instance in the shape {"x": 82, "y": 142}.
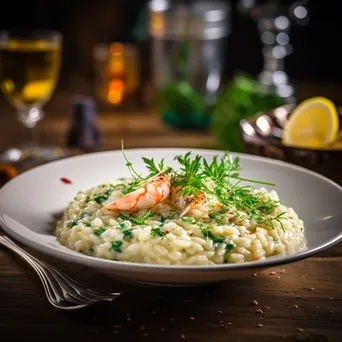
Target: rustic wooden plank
{"x": 163, "y": 314}
{"x": 138, "y": 130}
{"x": 172, "y": 309}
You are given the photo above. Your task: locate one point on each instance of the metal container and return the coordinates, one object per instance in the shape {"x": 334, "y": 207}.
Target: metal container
{"x": 188, "y": 46}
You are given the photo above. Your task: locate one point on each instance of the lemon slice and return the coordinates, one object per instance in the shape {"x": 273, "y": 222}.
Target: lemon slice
{"x": 314, "y": 124}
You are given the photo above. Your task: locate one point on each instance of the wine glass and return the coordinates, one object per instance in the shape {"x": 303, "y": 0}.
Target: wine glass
{"x": 274, "y": 19}
{"x": 29, "y": 69}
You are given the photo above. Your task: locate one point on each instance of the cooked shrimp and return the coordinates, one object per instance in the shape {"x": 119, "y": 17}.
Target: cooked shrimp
{"x": 187, "y": 202}
{"x": 146, "y": 197}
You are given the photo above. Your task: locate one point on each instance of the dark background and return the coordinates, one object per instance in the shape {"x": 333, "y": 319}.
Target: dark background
{"x": 84, "y": 23}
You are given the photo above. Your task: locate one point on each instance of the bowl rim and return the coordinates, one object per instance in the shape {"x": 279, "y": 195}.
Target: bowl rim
{"x": 259, "y": 140}
{"x": 81, "y": 259}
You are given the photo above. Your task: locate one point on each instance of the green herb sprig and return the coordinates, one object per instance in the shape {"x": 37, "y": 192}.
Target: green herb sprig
{"x": 153, "y": 167}
{"x": 134, "y": 174}
{"x": 219, "y": 178}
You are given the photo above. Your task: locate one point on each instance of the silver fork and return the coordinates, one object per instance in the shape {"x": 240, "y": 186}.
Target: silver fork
{"x": 63, "y": 292}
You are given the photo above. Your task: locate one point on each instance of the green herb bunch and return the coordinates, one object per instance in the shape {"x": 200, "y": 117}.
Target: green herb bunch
{"x": 220, "y": 179}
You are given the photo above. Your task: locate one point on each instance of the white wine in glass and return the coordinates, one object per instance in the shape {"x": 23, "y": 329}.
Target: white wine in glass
{"x": 29, "y": 69}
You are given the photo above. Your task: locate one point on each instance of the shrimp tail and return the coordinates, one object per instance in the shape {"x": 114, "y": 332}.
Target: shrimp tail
{"x": 187, "y": 203}
{"x": 186, "y": 209}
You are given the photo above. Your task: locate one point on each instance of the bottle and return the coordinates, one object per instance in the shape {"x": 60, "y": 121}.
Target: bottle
{"x": 84, "y": 133}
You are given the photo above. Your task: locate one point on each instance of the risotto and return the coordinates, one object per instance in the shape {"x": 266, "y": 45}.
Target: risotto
{"x": 196, "y": 215}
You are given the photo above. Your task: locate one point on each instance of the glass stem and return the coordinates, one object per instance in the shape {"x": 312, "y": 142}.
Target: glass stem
{"x": 29, "y": 119}
{"x": 34, "y": 136}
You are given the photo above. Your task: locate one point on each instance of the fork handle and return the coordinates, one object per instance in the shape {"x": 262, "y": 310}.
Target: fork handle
{"x": 9, "y": 243}
{"x": 14, "y": 247}
{"x": 37, "y": 267}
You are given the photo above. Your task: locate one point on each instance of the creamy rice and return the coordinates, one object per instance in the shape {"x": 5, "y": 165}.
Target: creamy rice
{"x": 163, "y": 238}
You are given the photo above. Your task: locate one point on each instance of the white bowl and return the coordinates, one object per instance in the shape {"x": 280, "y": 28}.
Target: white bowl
{"x": 30, "y": 202}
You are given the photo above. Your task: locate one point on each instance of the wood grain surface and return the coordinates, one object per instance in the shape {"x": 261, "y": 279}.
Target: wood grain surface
{"x": 302, "y": 301}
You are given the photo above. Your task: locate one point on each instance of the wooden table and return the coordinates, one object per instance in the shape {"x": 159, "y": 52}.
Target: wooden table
{"x": 299, "y": 302}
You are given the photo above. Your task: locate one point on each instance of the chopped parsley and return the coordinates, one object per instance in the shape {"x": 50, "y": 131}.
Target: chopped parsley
{"x": 103, "y": 196}
{"x": 72, "y": 223}
{"x": 230, "y": 246}
{"x": 100, "y": 198}
{"x": 188, "y": 220}
{"x": 122, "y": 225}
{"x": 99, "y": 231}
{"x": 137, "y": 220}
{"x": 128, "y": 234}
{"x": 116, "y": 246}
{"x": 217, "y": 240}
{"x": 75, "y": 222}
{"x": 157, "y": 232}
{"x": 162, "y": 218}
{"x": 82, "y": 216}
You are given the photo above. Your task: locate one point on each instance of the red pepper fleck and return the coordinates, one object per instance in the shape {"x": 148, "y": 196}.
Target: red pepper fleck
{"x": 167, "y": 232}
{"x": 66, "y": 180}
{"x": 255, "y": 259}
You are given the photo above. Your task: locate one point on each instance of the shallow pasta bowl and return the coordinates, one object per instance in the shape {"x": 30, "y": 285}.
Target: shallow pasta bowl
{"x": 30, "y": 202}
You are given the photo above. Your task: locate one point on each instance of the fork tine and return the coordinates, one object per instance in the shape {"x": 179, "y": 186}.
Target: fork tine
{"x": 68, "y": 292}
{"x": 81, "y": 289}
{"x": 85, "y": 292}
{"x": 71, "y": 289}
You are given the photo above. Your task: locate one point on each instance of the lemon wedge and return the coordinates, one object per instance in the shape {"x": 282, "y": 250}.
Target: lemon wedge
{"x": 337, "y": 145}
{"x": 313, "y": 124}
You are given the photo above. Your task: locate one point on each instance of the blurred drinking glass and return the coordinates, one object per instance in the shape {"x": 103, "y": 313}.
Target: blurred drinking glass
{"x": 274, "y": 19}
{"x": 188, "y": 47}
{"x": 116, "y": 72}
{"x": 29, "y": 69}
